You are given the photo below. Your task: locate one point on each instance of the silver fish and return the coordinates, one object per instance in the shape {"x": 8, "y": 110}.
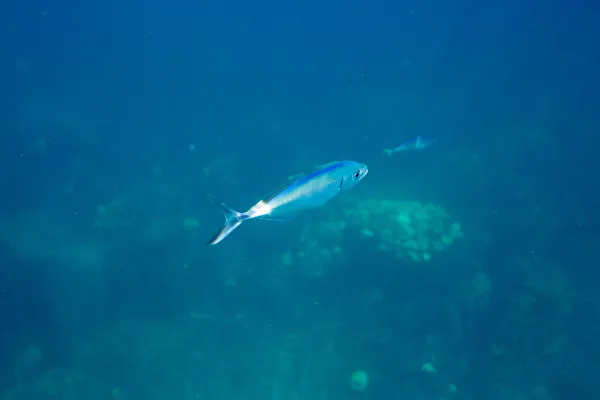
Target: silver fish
{"x": 300, "y": 192}
{"x": 416, "y": 144}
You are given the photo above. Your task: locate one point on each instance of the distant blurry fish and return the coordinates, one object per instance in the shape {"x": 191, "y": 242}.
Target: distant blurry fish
{"x": 416, "y": 144}
{"x": 300, "y": 192}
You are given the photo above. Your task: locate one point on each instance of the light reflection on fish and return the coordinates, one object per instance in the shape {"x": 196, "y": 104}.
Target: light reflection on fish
{"x": 300, "y": 192}
{"x": 416, "y": 144}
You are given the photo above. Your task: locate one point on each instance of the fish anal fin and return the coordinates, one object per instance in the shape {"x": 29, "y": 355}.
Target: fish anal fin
{"x": 271, "y": 219}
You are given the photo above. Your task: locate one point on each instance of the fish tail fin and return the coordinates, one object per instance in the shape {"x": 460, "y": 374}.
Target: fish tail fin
{"x": 233, "y": 219}
{"x": 388, "y": 152}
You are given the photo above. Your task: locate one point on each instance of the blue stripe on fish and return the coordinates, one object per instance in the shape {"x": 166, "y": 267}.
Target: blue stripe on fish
{"x": 315, "y": 173}
{"x": 292, "y": 185}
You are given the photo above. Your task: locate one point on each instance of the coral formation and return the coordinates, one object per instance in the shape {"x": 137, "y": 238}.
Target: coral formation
{"x": 409, "y": 229}
{"x": 359, "y": 381}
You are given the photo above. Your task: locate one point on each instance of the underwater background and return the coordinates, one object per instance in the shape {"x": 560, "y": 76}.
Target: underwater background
{"x": 468, "y": 270}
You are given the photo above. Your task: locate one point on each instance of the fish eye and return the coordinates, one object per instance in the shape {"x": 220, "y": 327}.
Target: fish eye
{"x": 356, "y": 174}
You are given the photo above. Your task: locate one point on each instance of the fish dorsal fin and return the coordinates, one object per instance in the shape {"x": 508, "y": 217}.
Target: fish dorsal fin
{"x": 288, "y": 181}
{"x": 323, "y": 166}
{"x": 295, "y": 176}
{"x": 275, "y": 192}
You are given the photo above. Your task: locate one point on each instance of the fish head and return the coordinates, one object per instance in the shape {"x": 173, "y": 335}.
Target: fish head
{"x": 425, "y": 142}
{"x": 355, "y": 172}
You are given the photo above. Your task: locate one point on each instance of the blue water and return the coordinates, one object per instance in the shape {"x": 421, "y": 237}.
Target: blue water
{"x": 466, "y": 271}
